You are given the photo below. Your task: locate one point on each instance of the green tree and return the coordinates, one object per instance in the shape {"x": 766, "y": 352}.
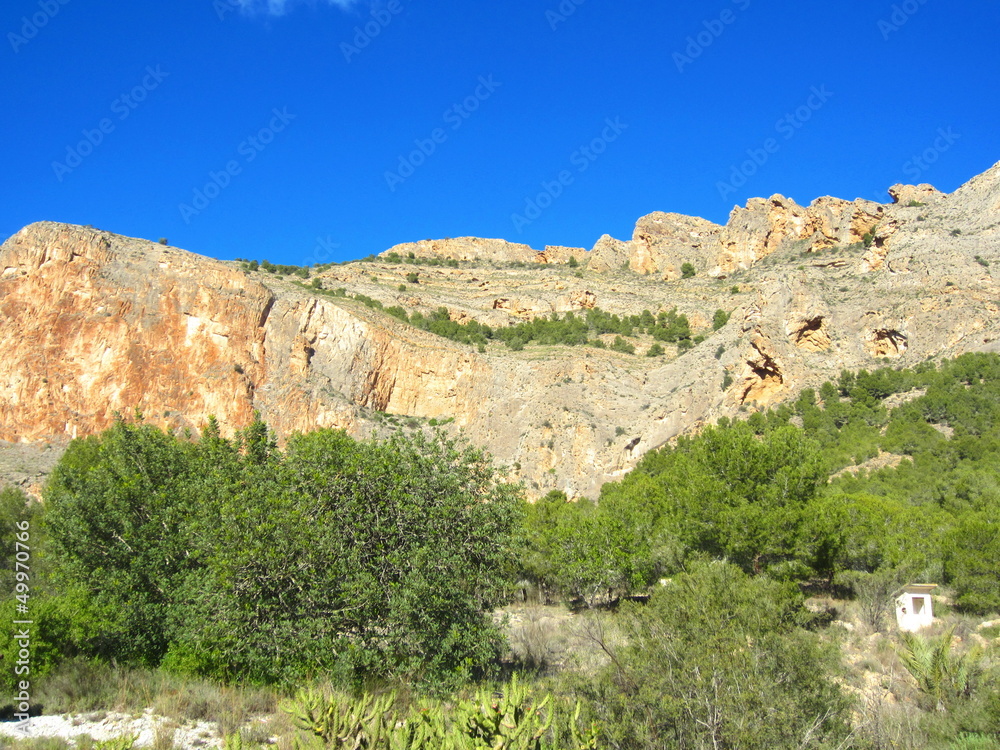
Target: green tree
{"x": 118, "y": 514}
{"x": 233, "y": 559}
{"x": 972, "y": 562}
{"x": 687, "y": 271}
{"x": 360, "y": 558}
{"x": 718, "y": 659}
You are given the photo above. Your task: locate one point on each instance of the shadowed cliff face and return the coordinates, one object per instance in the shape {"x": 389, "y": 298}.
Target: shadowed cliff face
{"x": 94, "y": 323}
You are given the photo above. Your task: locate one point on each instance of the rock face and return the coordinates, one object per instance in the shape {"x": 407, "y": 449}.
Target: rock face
{"x": 912, "y": 194}
{"x": 467, "y": 249}
{"x": 662, "y": 243}
{"x": 95, "y": 323}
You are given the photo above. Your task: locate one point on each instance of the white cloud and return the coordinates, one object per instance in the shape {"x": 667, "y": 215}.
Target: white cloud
{"x": 280, "y": 7}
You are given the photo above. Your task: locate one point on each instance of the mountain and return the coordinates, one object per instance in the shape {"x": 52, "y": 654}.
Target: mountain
{"x": 95, "y": 323}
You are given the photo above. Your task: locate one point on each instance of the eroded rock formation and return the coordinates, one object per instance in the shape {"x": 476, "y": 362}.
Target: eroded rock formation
{"x": 94, "y": 323}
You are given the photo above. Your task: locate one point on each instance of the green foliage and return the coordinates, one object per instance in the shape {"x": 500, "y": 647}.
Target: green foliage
{"x": 508, "y": 719}
{"x": 716, "y": 659}
{"x": 573, "y": 262}
{"x": 720, "y": 319}
{"x": 756, "y": 493}
{"x": 942, "y": 674}
{"x": 62, "y": 627}
{"x": 622, "y": 346}
{"x": 687, "y": 271}
{"x": 971, "y": 560}
{"x": 654, "y": 351}
{"x": 235, "y": 560}
{"x": 280, "y": 269}
{"x": 413, "y": 277}
{"x": 124, "y": 742}
{"x": 109, "y": 501}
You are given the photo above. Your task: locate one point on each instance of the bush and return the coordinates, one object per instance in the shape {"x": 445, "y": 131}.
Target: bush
{"x": 716, "y": 659}
{"x": 413, "y": 277}
{"x": 687, "y": 271}
{"x": 720, "y": 319}
{"x": 233, "y": 560}
{"x": 621, "y": 345}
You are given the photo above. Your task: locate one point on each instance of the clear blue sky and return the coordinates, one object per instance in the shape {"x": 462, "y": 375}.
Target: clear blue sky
{"x": 274, "y": 129}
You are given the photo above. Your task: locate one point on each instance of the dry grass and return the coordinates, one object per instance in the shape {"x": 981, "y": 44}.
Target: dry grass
{"x": 83, "y": 687}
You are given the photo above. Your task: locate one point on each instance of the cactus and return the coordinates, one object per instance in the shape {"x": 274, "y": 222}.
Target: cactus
{"x": 341, "y": 722}
{"x": 236, "y": 741}
{"x": 510, "y": 719}
{"x": 505, "y": 720}
{"x": 124, "y": 742}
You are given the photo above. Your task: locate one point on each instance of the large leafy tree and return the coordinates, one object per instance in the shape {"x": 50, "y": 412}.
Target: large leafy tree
{"x": 234, "y": 559}
{"x": 118, "y": 518}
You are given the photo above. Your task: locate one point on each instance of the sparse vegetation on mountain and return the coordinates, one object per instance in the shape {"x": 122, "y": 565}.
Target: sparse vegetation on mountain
{"x": 755, "y": 493}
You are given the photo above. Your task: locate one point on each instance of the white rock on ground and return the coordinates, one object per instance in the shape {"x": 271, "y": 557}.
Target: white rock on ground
{"x": 107, "y": 725}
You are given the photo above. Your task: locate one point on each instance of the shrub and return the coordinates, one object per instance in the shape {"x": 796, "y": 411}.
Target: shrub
{"x": 654, "y": 351}
{"x": 716, "y": 658}
{"x": 621, "y": 345}
{"x": 573, "y": 263}
{"x": 687, "y": 271}
{"x": 720, "y": 319}
{"x": 164, "y": 241}
{"x": 233, "y": 560}
{"x": 413, "y": 277}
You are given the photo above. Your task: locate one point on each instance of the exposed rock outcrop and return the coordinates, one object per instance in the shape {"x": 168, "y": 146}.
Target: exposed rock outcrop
{"x": 908, "y": 195}
{"x": 94, "y": 323}
{"x": 467, "y": 249}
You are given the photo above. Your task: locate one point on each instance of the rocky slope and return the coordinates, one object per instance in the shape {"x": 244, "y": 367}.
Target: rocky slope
{"x": 95, "y": 323}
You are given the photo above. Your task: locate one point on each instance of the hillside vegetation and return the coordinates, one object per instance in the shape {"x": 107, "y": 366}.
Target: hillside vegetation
{"x": 378, "y": 566}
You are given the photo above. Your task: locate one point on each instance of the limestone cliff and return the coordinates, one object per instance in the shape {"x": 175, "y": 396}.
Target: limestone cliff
{"x": 94, "y": 323}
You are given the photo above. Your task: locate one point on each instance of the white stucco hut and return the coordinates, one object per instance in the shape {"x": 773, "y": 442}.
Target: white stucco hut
{"x": 913, "y": 606}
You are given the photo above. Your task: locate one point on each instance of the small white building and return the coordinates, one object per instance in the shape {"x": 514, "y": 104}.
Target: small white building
{"x": 913, "y": 606}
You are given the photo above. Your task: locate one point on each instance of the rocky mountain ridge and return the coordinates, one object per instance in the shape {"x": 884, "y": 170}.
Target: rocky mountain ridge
{"x": 95, "y": 323}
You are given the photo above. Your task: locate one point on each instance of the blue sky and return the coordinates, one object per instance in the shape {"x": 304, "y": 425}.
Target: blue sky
{"x": 309, "y": 131}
